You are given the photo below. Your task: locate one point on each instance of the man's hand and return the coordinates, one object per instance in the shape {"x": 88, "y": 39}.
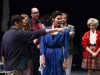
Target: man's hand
{"x": 70, "y": 32}
{"x": 60, "y": 29}
{"x": 38, "y": 46}
{"x": 35, "y": 41}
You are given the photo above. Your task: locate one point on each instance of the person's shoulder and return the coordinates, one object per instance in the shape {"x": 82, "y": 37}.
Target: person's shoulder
{"x": 48, "y": 27}
{"x": 87, "y": 33}
{"x": 70, "y": 25}
{"x": 97, "y": 30}
{"x": 6, "y": 32}
{"x": 30, "y": 20}
{"x": 22, "y": 31}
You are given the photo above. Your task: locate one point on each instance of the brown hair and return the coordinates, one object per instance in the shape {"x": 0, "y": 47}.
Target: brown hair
{"x": 27, "y": 27}
{"x": 46, "y": 20}
{"x": 55, "y": 14}
{"x": 16, "y": 18}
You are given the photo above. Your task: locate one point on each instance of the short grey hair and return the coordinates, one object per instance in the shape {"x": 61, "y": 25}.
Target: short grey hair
{"x": 94, "y": 21}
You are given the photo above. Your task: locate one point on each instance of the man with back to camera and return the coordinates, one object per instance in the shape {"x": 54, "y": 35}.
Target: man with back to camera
{"x": 14, "y": 49}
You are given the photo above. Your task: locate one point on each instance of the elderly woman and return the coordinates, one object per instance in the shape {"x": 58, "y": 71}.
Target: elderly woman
{"x": 91, "y": 45}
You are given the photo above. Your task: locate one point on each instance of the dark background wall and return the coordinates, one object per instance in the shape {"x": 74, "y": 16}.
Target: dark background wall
{"x": 1, "y": 3}
{"x": 79, "y": 12}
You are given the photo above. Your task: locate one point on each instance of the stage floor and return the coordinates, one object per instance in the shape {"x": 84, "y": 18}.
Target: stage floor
{"x": 81, "y": 73}
{"x": 73, "y": 73}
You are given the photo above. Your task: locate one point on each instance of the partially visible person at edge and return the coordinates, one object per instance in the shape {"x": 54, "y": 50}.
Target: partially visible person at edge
{"x": 27, "y": 27}
{"x": 45, "y": 21}
{"x": 91, "y": 45}
{"x": 35, "y": 25}
{"x": 53, "y": 60}
{"x": 14, "y": 51}
{"x": 71, "y": 48}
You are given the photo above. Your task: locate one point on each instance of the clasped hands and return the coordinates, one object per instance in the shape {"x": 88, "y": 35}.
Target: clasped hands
{"x": 94, "y": 54}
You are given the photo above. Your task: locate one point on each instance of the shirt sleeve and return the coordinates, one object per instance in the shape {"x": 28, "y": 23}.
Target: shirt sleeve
{"x": 84, "y": 41}
{"x": 72, "y": 30}
{"x": 30, "y": 35}
{"x": 66, "y": 43}
{"x": 42, "y": 45}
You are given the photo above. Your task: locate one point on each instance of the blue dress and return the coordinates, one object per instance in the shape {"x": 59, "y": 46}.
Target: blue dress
{"x": 54, "y": 54}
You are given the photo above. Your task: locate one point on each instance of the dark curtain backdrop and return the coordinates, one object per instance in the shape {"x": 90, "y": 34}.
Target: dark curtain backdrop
{"x": 1, "y": 5}
{"x": 79, "y": 11}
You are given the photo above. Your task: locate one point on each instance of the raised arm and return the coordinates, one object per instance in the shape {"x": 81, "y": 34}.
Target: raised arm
{"x": 35, "y": 34}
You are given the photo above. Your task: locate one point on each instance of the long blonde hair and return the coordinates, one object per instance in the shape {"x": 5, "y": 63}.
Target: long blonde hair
{"x": 27, "y": 27}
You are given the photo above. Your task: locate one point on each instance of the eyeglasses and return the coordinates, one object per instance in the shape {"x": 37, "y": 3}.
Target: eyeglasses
{"x": 35, "y": 12}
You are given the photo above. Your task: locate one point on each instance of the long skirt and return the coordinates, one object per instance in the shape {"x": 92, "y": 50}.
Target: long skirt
{"x": 53, "y": 62}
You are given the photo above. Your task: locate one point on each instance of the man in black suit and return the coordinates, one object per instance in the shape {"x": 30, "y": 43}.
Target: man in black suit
{"x": 35, "y": 25}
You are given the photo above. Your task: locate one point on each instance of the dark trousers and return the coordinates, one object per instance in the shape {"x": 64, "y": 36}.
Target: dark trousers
{"x": 35, "y": 60}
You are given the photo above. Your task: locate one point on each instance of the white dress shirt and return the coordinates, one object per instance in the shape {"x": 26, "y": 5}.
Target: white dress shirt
{"x": 93, "y": 37}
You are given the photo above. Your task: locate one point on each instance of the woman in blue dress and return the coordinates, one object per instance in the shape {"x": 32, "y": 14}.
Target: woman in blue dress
{"x": 54, "y": 58}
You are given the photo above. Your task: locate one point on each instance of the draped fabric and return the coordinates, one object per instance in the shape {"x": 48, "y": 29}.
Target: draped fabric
{"x": 51, "y": 47}
{"x": 5, "y": 16}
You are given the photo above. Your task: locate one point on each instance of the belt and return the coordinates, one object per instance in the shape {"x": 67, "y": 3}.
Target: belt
{"x": 53, "y": 46}
{"x": 92, "y": 44}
